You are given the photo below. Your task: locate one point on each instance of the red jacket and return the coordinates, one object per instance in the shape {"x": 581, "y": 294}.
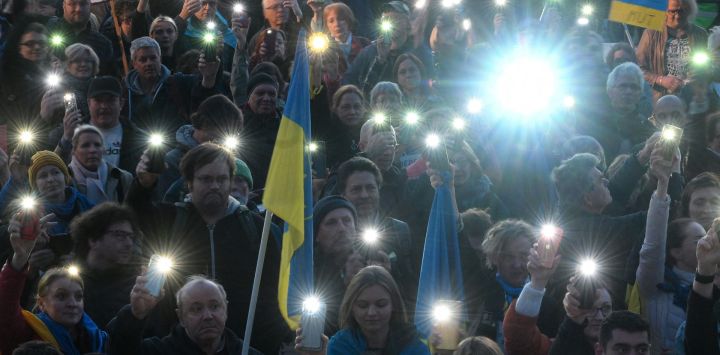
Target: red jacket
{"x": 14, "y": 330}
{"x": 522, "y": 335}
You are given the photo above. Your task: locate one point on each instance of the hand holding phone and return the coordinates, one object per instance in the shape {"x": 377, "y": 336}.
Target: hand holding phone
{"x": 313, "y": 325}
{"x": 446, "y": 315}
{"x": 158, "y": 268}
{"x": 548, "y": 244}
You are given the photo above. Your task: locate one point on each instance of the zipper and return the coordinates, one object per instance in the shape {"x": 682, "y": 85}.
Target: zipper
{"x": 211, "y": 229}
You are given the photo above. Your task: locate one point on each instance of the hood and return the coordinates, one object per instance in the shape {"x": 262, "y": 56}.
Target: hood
{"x": 132, "y": 81}
{"x": 184, "y": 137}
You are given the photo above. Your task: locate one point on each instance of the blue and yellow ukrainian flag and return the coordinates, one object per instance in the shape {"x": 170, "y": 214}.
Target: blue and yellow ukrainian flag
{"x": 288, "y": 191}
{"x": 440, "y": 272}
{"x": 642, "y": 13}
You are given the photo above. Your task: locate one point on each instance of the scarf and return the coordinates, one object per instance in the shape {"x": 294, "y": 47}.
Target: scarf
{"x": 96, "y": 337}
{"x": 94, "y": 181}
{"x": 222, "y": 26}
{"x": 677, "y": 286}
{"x": 511, "y": 292}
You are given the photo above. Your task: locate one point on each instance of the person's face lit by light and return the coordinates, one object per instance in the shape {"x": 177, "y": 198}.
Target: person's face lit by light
{"x": 676, "y": 15}
{"x": 626, "y": 93}
{"x": 350, "y": 110}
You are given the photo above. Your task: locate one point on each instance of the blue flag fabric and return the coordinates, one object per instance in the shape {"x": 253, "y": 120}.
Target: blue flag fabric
{"x": 440, "y": 273}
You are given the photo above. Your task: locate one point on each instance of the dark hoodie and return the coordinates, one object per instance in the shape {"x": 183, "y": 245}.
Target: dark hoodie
{"x": 176, "y": 97}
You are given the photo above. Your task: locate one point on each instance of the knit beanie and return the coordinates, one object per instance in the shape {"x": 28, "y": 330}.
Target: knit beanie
{"x": 44, "y": 158}
{"x": 259, "y": 79}
{"x": 243, "y": 171}
{"x": 329, "y": 204}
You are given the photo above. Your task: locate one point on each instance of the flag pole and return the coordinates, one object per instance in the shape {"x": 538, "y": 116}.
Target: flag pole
{"x": 627, "y": 34}
{"x": 256, "y": 282}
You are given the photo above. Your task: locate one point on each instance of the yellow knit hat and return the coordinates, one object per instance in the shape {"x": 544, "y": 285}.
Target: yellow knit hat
{"x": 45, "y": 158}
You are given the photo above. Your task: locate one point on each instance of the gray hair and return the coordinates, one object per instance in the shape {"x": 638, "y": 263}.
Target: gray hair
{"x": 625, "y": 69}
{"x": 503, "y": 233}
{"x": 713, "y": 37}
{"x": 692, "y": 14}
{"x": 384, "y": 87}
{"x": 143, "y": 42}
{"x": 572, "y": 178}
{"x": 75, "y": 50}
{"x": 86, "y": 128}
{"x": 195, "y": 279}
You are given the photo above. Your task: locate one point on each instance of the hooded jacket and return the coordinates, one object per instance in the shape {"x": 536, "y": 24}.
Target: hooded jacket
{"x": 226, "y": 251}
{"x": 174, "y": 98}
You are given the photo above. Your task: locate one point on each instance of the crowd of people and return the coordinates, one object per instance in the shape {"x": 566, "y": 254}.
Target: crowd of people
{"x": 584, "y": 172}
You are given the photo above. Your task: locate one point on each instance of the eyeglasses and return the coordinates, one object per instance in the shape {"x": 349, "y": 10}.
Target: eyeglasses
{"x": 604, "y": 310}
{"x": 676, "y": 11}
{"x": 41, "y": 44}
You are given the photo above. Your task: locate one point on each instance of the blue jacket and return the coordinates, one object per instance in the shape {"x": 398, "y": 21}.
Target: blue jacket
{"x": 348, "y": 342}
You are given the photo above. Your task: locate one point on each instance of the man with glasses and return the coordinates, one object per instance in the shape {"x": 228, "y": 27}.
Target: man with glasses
{"x": 213, "y": 234}
{"x": 200, "y": 18}
{"x": 278, "y": 18}
{"x": 75, "y": 27}
{"x": 106, "y": 240}
{"x": 664, "y": 56}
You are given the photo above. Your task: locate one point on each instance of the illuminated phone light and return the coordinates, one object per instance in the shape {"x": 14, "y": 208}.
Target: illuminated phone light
{"x": 73, "y": 270}
{"x": 474, "y": 106}
{"x": 466, "y": 24}
{"x": 386, "y": 26}
{"x": 231, "y": 142}
{"x": 156, "y": 140}
{"x": 569, "y": 101}
{"x": 701, "y": 58}
{"x": 432, "y": 141}
{"x": 164, "y": 264}
{"x": 319, "y": 42}
{"x": 459, "y": 124}
{"x": 379, "y": 118}
{"x": 56, "y": 40}
{"x": 500, "y": 3}
{"x": 587, "y": 10}
{"x": 419, "y": 4}
{"x": 53, "y": 80}
{"x": 588, "y": 267}
{"x": 313, "y": 147}
{"x": 583, "y": 21}
{"x": 26, "y": 137}
{"x": 442, "y": 313}
{"x": 238, "y": 7}
{"x": 28, "y": 203}
{"x": 311, "y": 305}
{"x": 211, "y": 25}
{"x": 412, "y": 118}
{"x": 371, "y": 236}
{"x": 549, "y": 231}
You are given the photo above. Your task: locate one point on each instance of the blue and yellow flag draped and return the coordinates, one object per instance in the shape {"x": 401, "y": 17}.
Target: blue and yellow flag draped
{"x": 288, "y": 191}
{"x": 440, "y": 273}
{"x": 642, "y": 13}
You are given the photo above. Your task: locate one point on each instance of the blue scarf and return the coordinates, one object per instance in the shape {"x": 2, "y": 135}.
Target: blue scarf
{"x": 511, "y": 292}
{"x": 222, "y": 26}
{"x": 67, "y": 210}
{"x": 673, "y": 285}
{"x": 98, "y": 337}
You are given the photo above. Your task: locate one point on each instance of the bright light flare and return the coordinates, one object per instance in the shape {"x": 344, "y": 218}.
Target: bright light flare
{"x": 701, "y": 58}
{"x": 474, "y": 106}
{"x": 569, "y": 101}
{"x": 211, "y": 25}
{"x": 56, "y": 40}
{"x": 164, "y": 264}
{"x": 53, "y": 80}
{"x": 588, "y": 268}
{"x": 459, "y": 123}
{"x": 379, "y": 118}
{"x": 500, "y": 3}
{"x": 156, "y": 139}
{"x": 313, "y": 147}
{"x": 548, "y": 231}
{"x": 583, "y": 21}
{"x": 386, "y": 26}
{"x": 370, "y": 236}
{"x": 517, "y": 83}
{"x": 419, "y": 4}
{"x": 466, "y": 24}
{"x": 311, "y": 305}
{"x": 68, "y": 96}
{"x": 319, "y": 42}
{"x": 208, "y": 38}
{"x": 28, "y": 203}
{"x": 73, "y": 270}
{"x": 26, "y": 137}
{"x": 231, "y": 142}
{"x": 238, "y": 8}
{"x": 670, "y": 133}
{"x": 450, "y": 3}
{"x": 412, "y": 118}
{"x": 432, "y": 141}
{"x": 442, "y": 313}
{"x": 587, "y": 10}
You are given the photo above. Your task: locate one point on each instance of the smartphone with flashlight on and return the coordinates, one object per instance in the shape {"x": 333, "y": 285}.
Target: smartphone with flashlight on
{"x": 70, "y": 102}
{"x": 29, "y": 216}
{"x": 158, "y": 268}
{"x": 313, "y": 325}
{"x": 270, "y": 41}
{"x": 670, "y": 140}
{"x": 586, "y": 282}
{"x": 548, "y": 244}
{"x": 156, "y": 154}
{"x": 319, "y": 160}
{"x": 447, "y": 324}
{"x": 438, "y": 158}
{"x": 210, "y": 47}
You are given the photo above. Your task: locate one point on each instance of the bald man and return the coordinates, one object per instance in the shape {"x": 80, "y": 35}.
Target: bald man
{"x": 669, "y": 109}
